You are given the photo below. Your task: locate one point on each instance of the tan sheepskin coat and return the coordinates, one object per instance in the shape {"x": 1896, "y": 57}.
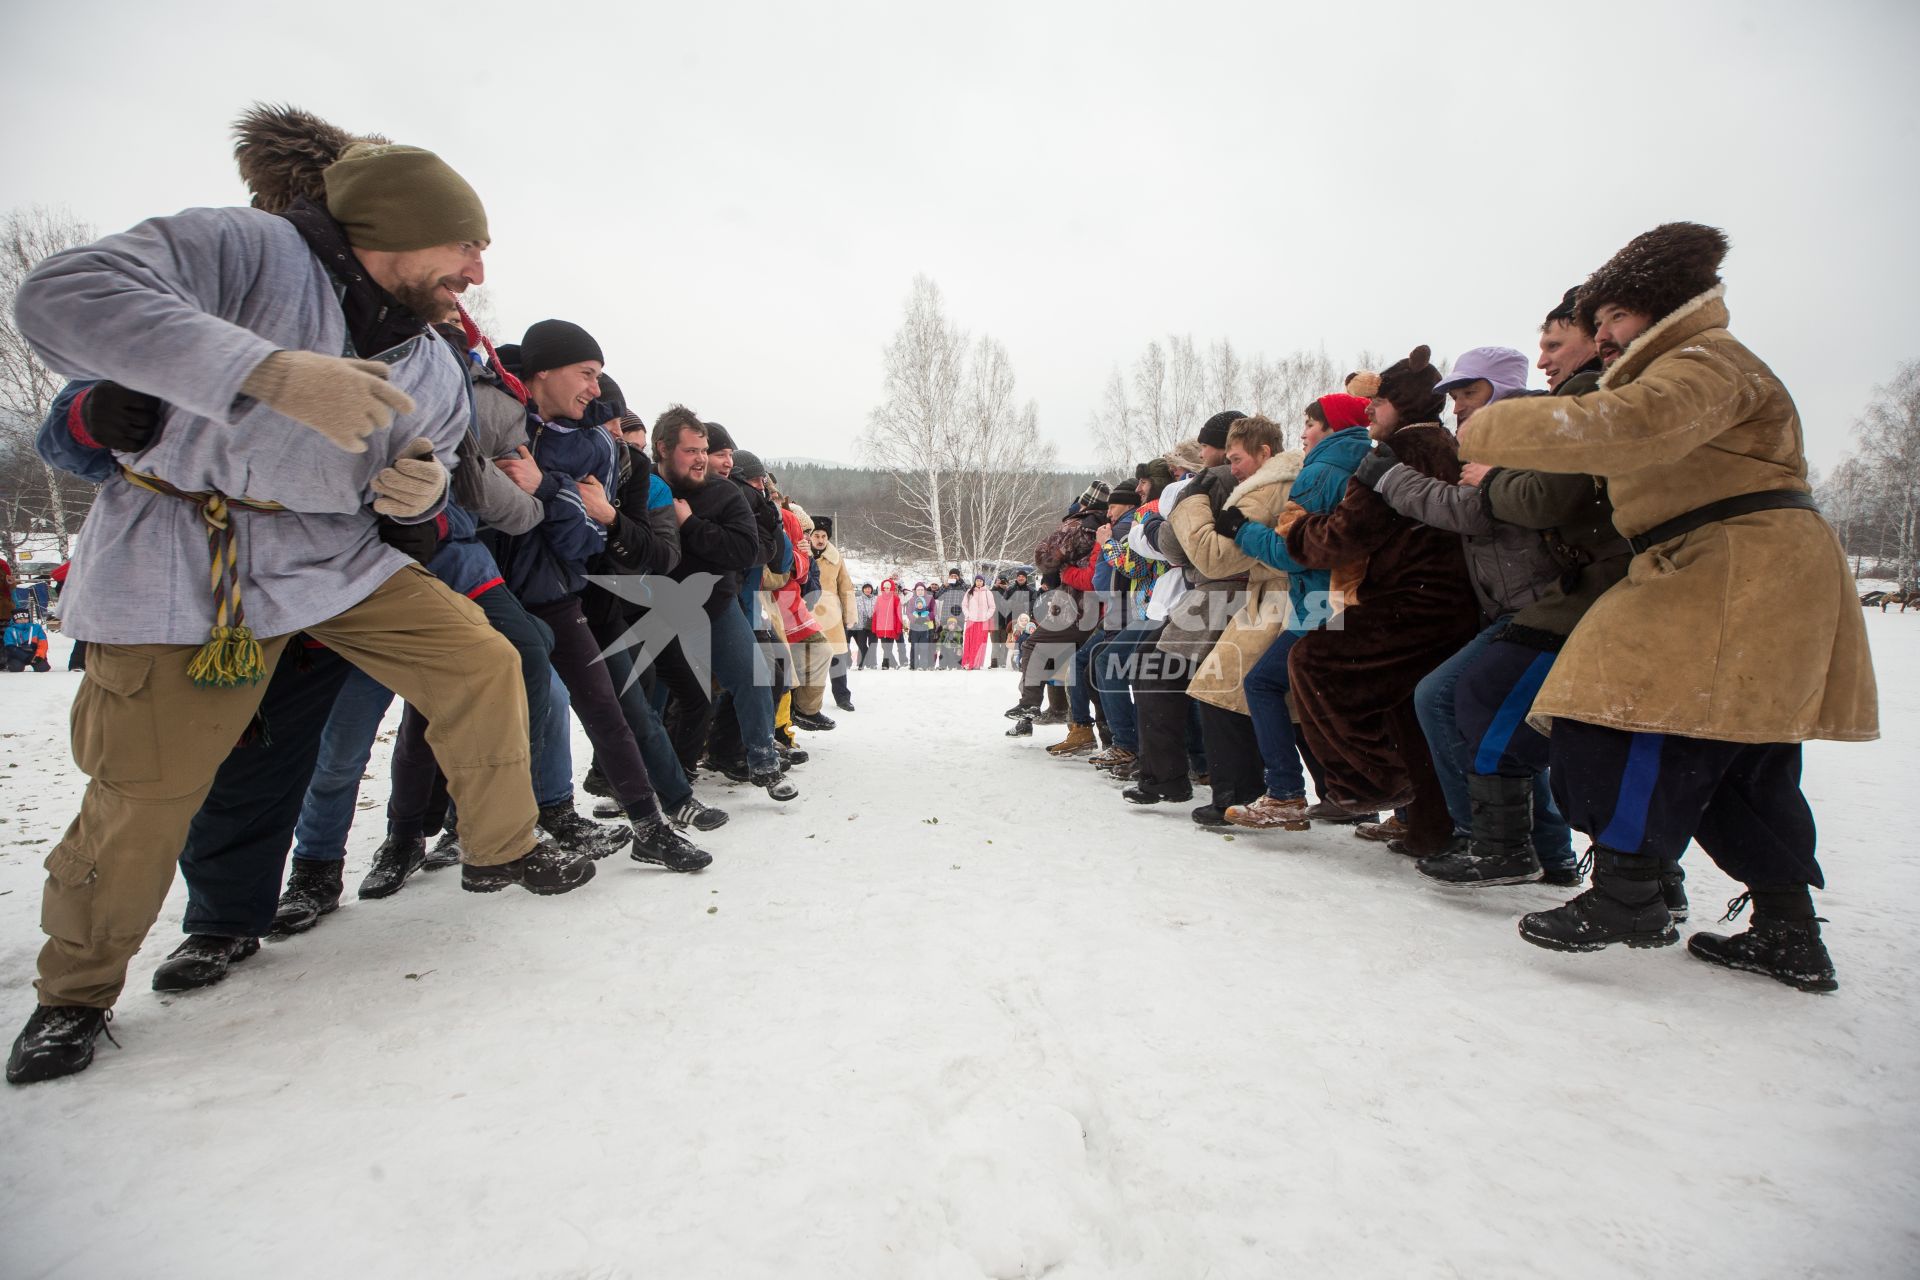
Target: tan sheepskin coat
{"x": 1221, "y": 678}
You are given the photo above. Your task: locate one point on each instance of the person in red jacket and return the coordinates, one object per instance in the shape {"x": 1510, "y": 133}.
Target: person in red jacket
{"x": 890, "y": 626}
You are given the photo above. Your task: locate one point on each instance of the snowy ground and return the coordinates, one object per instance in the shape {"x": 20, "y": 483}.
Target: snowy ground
{"x": 960, "y": 1012}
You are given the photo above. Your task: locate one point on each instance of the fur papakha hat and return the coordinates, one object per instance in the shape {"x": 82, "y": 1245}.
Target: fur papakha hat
{"x": 1408, "y": 385}
{"x": 1658, "y": 272}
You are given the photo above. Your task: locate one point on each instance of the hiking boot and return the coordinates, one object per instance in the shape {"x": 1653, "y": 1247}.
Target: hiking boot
{"x": 1623, "y": 905}
{"x": 790, "y": 756}
{"x": 313, "y": 890}
{"x": 1125, "y": 770}
{"x": 1022, "y": 728}
{"x": 57, "y": 1041}
{"x": 1211, "y": 816}
{"x": 1079, "y": 741}
{"x": 576, "y": 834}
{"x": 655, "y": 841}
{"x": 1567, "y": 874}
{"x": 1382, "y": 832}
{"x": 1788, "y": 951}
{"x": 395, "y": 860}
{"x": 1270, "y": 813}
{"x": 1673, "y": 890}
{"x": 1049, "y": 716}
{"x": 1144, "y": 792}
{"x": 778, "y": 788}
{"x": 596, "y": 782}
{"x": 1501, "y": 848}
{"x": 202, "y": 960}
{"x": 1110, "y": 757}
{"x": 698, "y": 816}
{"x": 609, "y": 808}
{"x": 545, "y": 869}
{"x": 845, "y": 704}
{"x": 1329, "y": 812}
{"x": 813, "y": 722}
{"x": 1019, "y": 710}
{"x": 732, "y": 768}
{"x": 445, "y": 852}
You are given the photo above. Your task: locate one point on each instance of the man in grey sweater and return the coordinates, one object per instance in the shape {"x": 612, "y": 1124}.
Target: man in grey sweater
{"x": 298, "y": 409}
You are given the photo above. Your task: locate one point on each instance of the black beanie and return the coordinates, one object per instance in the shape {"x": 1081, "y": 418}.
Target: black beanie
{"x": 1123, "y": 495}
{"x": 1408, "y": 385}
{"x": 555, "y": 344}
{"x": 508, "y": 353}
{"x": 1214, "y": 434}
{"x": 747, "y": 466}
{"x": 611, "y": 395}
{"x": 717, "y": 438}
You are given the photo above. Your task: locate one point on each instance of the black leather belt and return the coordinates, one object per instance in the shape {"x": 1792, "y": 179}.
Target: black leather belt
{"x": 1744, "y": 504}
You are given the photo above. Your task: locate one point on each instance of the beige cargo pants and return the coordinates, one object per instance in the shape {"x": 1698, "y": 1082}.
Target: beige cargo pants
{"x": 812, "y": 667}
{"x": 151, "y": 741}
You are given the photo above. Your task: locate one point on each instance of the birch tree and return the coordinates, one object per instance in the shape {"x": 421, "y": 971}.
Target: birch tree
{"x": 911, "y": 432}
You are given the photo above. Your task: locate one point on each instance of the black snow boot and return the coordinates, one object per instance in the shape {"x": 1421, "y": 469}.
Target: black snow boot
{"x": 202, "y": 960}
{"x": 57, "y": 1041}
{"x": 545, "y": 869}
{"x": 1673, "y": 888}
{"x": 1500, "y": 850}
{"x": 596, "y": 782}
{"x": 1022, "y": 727}
{"x": 313, "y": 890}
{"x": 1783, "y": 941}
{"x": 655, "y": 841}
{"x": 845, "y": 704}
{"x": 778, "y": 788}
{"x": 1144, "y": 792}
{"x": 576, "y": 834}
{"x": 445, "y": 852}
{"x": 732, "y": 768}
{"x": 1212, "y": 815}
{"x": 813, "y": 722}
{"x": 1622, "y": 906}
{"x": 397, "y": 858}
{"x": 1019, "y": 710}
{"x": 790, "y": 756}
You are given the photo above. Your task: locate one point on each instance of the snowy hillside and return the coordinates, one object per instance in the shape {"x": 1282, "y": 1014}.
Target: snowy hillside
{"x": 960, "y": 1012}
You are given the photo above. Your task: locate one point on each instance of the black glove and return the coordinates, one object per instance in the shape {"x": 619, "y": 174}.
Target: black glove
{"x": 121, "y": 419}
{"x": 1227, "y": 520}
{"x": 419, "y": 541}
{"x": 1207, "y": 484}
{"x": 1375, "y": 465}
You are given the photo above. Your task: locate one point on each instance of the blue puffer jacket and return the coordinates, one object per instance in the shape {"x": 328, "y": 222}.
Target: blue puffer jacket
{"x": 1319, "y": 487}
{"x": 550, "y": 562}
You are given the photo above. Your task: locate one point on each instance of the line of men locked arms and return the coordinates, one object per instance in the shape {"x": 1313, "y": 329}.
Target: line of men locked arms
{"x": 322, "y": 487}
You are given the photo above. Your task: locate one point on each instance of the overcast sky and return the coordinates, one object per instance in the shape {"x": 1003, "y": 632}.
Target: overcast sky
{"x": 736, "y": 198}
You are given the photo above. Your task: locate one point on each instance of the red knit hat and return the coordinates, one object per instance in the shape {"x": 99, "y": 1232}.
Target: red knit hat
{"x": 1344, "y": 411}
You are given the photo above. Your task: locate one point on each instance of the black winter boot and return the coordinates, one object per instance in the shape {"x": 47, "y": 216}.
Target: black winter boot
{"x": 1022, "y": 727}
{"x": 1501, "y": 848}
{"x": 57, "y": 1041}
{"x": 576, "y": 834}
{"x": 397, "y": 858}
{"x": 445, "y": 852}
{"x": 545, "y": 869}
{"x": 1673, "y": 889}
{"x": 1783, "y": 941}
{"x": 202, "y": 960}
{"x": 596, "y": 782}
{"x": 655, "y": 841}
{"x": 778, "y": 788}
{"x": 1622, "y": 906}
{"x": 1144, "y": 792}
{"x": 313, "y": 890}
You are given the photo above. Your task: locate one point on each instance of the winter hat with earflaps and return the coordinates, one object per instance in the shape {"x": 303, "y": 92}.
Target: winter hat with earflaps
{"x": 1408, "y": 385}
{"x": 1186, "y": 457}
{"x": 1657, "y": 273}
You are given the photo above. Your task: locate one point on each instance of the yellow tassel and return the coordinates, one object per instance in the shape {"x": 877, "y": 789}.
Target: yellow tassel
{"x": 232, "y": 657}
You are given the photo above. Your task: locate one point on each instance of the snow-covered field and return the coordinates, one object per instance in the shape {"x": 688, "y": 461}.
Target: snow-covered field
{"x": 961, "y": 1012}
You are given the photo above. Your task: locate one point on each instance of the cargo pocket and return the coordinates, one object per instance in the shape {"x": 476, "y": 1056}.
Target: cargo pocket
{"x": 66, "y": 908}
{"x": 116, "y": 733}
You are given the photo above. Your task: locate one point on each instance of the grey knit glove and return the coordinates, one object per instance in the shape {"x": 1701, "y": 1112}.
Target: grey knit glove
{"x": 413, "y": 483}
{"x": 344, "y": 400}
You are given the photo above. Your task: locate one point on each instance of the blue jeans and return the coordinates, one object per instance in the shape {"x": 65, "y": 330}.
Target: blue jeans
{"x": 1266, "y": 689}
{"x": 656, "y": 749}
{"x": 1080, "y": 688}
{"x": 1112, "y": 651}
{"x": 553, "y": 762}
{"x": 736, "y": 668}
{"x": 326, "y": 815}
{"x": 1435, "y": 703}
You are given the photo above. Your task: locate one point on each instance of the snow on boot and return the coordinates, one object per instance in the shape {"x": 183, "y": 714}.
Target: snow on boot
{"x": 608, "y": 808}
{"x": 545, "y": 869}
{"x": 313, "y": 890}
{"x": 813, "y": 722}
{"x": 576, "y": 834}
{"x": 397, "y": 858}
{"x": 202, "y": 960}
{"x": 655, "y": 841}
{"x": 445, "y": 853}
{"x": 1781, "y": 942}
{"x": 1270, "y": 813}
{"x": 1501, "y": 848}
{"x": 57, "y": 1041}
{"x": 1019, "y": 710}
{"x": 1673, "y": 888}
{"x": 1124, "y": 770}
{"x": 778, "y": 788}
{"x": 1078, "y": 742}
{"x": 1382, "y": 832}
{"x": 698, "y": 816}
{"x": 790, "y": 756}
{"x": 1622, "y": 906}
{"x": 1022, "y": 728}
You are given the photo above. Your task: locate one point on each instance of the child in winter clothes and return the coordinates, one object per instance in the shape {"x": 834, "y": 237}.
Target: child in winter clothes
{"x": 26, "y": 643}
{"x": 953, "y": 640}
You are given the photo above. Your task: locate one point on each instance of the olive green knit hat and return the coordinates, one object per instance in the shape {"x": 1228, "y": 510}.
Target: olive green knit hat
{"x": 396, "y": 198}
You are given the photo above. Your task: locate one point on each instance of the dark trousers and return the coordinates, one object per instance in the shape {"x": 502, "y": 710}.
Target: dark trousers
{"x": 1163, "y": 712}
{"x": 590, "y": 689}
{"x": 1234, "y": 767}
{"x": 1650, "y": 793}
{"x": 920, "y": 644}
{"x": 413, "y": 797}
{"x": 862, "y": 647}
{"x": 77, "y": 660}
{"x": 1491, "y": 701}
{"x": 237, "y": 844}
{"x": 690, "y": 706}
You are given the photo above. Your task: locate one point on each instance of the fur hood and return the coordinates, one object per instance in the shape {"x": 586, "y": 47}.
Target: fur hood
{"x": 1280, "y": 467}
{"x": 284, "y": 152}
